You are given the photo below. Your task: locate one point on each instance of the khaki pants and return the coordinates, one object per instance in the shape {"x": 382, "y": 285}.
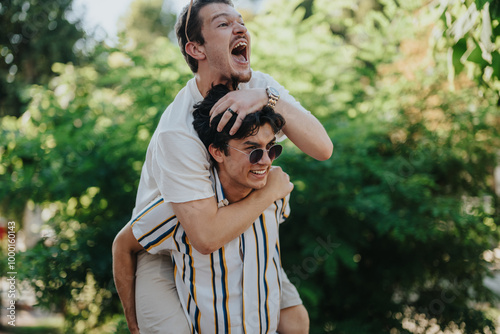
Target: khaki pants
{"x": 158, "y": 308}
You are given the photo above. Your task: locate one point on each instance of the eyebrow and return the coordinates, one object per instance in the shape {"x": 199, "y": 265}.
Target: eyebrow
{"x": 257, "y": 144}
{"x": 216, "y": 16}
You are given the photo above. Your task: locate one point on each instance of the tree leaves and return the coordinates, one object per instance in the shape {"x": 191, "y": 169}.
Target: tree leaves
{"x": 474, "y": 24}
{"x": 390, "y": 231}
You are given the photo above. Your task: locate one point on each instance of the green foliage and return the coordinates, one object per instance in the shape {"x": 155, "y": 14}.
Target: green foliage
{"x": 78, "y": 151}
{"x": 391, "y": 229}
{"x": 146, "y": 20}
{"x": 35, "y": 34}
{"x": 385, "y": 233}
{"x": 388, "y": 236}
{"x": 470, "y": 31}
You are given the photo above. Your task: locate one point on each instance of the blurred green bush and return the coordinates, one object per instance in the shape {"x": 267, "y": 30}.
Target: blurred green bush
{"x": 392, "y": 234}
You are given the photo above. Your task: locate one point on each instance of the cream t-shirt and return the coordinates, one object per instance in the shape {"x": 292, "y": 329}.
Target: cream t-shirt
{"x": 177, "y": 165}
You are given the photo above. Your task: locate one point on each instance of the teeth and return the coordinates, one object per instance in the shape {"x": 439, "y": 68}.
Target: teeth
{"x": 259, "y": 172}
{"x": 240, "y": 44}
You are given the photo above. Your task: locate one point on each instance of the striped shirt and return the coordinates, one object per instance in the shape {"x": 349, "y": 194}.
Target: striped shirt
{"x": 235, "y": 289}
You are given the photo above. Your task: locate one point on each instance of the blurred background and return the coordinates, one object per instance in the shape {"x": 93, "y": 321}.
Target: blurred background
{"x": 397, "y": 233}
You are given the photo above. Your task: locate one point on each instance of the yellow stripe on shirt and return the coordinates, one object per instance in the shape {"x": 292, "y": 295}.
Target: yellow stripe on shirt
{"x": 266, "y": 248}
{"x": 227, "y": 291}
{"x": 155, "y": 228}
{"x": 160, "y": 241}
{"x": 148, "y": 210}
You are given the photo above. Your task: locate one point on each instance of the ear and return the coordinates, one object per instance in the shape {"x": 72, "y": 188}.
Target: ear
{"x": 195, "y": 50}
{"x": 216, "y": 153}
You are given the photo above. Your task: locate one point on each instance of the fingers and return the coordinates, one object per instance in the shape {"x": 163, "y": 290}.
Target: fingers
{"x": 220, "y": 107}
{"x": 241, "y": 102}
{"x": 236, "y": 125}
{"x": 228, "y": 113}
{"x": 223, "y": 106}
{"x": 225, "y": 118}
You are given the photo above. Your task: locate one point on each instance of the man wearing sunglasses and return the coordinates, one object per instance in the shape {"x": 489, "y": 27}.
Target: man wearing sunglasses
{"x": 256, "y": 155}
{"x": 216, "y": 45}
{"x": 237, "y": 288}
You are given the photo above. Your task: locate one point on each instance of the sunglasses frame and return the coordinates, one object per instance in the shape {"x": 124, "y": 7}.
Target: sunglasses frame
{"x": 276, "y": 155}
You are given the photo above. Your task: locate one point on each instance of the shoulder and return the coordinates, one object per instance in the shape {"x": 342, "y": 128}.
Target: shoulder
{"x": 184, "y": 101}
{"x": 260, "y": 80}
{"x": 178, "y": 115}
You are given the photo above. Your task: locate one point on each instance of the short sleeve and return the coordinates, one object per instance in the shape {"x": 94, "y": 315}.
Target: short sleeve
{"x": 285, "y": 209}
{"x": 155, "y": 227}
{"x": 263, "y": 80}
{"x": 181, "y": 167}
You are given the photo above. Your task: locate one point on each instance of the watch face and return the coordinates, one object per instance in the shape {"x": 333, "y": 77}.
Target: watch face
{"x": 273, "y": 91}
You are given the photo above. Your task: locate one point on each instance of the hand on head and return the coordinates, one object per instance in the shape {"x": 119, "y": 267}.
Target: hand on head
{"x": 242, "y": 102}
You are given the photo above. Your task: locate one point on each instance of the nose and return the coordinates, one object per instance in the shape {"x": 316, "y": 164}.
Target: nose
{"x": 265, "y": 160}
{"x": 239, "y": 28}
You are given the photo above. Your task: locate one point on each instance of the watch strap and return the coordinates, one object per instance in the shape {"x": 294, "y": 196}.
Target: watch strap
{"x": 273, "y": 96}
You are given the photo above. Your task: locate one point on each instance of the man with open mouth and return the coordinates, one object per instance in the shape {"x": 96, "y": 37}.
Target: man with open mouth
{"x": 216, "y": 45}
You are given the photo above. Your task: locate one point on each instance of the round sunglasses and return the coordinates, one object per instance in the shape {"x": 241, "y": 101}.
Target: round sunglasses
{"x": 256, "y": 155}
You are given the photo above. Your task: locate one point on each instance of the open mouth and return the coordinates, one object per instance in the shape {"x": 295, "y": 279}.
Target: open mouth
{"x": 239, "y": 52}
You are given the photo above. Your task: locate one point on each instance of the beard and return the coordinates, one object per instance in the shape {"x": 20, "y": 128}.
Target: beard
{"x": 237, "y": 79}
{"x": 234, "y": 82}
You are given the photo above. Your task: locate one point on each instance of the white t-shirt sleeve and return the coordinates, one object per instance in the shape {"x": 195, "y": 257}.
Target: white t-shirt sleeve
{"x": 155, "y": 227}
{"x": 263, "y": 80}
{"x": 181, "y": 167}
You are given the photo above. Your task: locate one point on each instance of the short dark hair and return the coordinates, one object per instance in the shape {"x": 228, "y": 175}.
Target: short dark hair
{"x": 250, "y": 126}
{"x": 194, "y": 28}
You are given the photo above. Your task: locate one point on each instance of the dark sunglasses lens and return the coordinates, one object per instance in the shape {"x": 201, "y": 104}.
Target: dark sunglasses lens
{"x": 275, "y": 151}
{"x": 256, "y": 155}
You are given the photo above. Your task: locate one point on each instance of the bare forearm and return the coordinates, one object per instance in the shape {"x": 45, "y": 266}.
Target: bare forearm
{"x": 224, "y": 224}
{"x": 125, "y": 286}
{"x": 209, "y": 227}
{"x": 124, "y": 266}
{"x": 305, "y": 131}
{"x": 233, "y": 220}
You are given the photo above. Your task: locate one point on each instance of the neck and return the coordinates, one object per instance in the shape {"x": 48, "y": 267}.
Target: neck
{"x": 234, "y": 197}
{"x": 205, "y": 80}
{"x": 233, "y": 193}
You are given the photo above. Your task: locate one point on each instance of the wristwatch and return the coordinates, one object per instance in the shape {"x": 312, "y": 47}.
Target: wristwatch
{"x": 273, "y": 96}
